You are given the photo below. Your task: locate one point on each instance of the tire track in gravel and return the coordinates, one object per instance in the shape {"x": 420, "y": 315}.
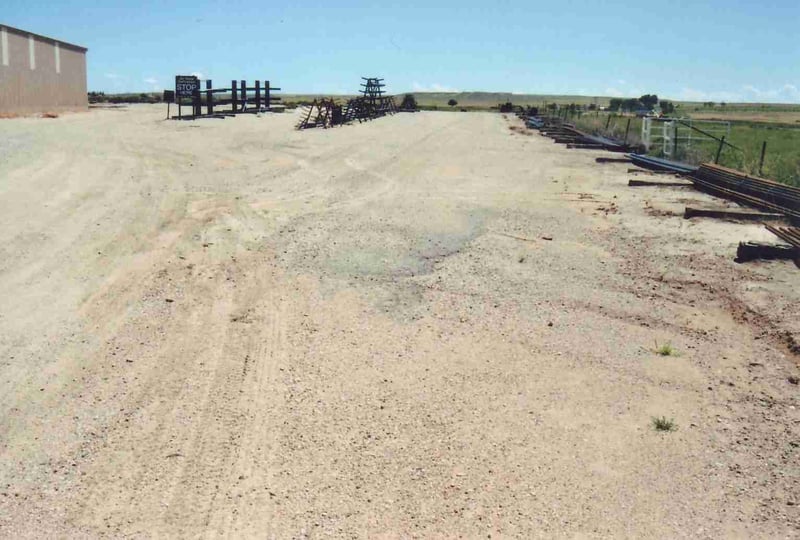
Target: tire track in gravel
{"x": 260, "y": 335}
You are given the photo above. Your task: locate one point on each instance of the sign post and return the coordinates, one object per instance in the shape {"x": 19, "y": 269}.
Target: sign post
{"x": 169, "y": 97}
{"x": 185, "y": 86}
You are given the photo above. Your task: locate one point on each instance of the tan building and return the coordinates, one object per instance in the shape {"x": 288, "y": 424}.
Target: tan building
{"x": 40, "y": 74}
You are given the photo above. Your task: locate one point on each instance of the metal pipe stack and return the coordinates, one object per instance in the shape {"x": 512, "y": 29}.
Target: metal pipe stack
{"x": 750, "y": 190}
{"x": 787, "y": 234}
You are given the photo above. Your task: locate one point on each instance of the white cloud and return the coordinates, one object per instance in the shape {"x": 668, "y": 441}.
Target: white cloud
{"x": 153, "y": 84}
{"x": 435, "y": 87}
{"x": 617, "y": 91}
{"x": 116, "y": 82}
{"x": 788, "y": 93}
{"x": 692, "y": 94}
{"x": 197, "y": 74}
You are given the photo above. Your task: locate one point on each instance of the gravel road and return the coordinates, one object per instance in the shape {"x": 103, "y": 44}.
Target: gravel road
{"x": 429, "y": 325}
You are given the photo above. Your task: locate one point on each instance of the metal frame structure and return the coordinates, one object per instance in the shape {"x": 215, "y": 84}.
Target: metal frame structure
{"x": 241, "y": 98}
{"x": 323, "y": 113}
{"x": 371, "y": 104}
{"x": 676, "y": 133}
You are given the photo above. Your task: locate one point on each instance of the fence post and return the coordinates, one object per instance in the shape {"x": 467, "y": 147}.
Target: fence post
{"x": 627, "y": 129}
{"x": 608, "y": 121}
{"x": 763, "y": 153}
{"x": 197, "y": 111}
{"x": 258, "y": 95}
{"x": 209, "y": 98}
{"x": 675, "y": 142}
{"x": 267, "y": 98}
{"x": 234, "y": 97}
{"x": 243, "y": 90}
{"x": 719, "y": 150}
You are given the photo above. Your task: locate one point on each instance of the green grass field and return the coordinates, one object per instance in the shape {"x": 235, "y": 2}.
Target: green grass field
{"x": 782, "y": 158}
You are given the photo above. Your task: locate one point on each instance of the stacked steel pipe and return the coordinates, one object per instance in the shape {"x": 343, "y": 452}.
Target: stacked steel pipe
{"x": 659, "y": 164}
{"x": 371, "y": 104}
{"x": 575, "y": 138}
{"x": 750, "y": 190}
{"x": 787, "y": 234}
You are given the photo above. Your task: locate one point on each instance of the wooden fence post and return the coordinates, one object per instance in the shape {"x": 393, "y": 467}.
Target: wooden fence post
{"x": 243, "y": 90}
{"x": 258, "y": 95}
{"x": 675, "y": 142}
{"x": 627, "y": 129}
{"x": 763, "y": 153}
{"x": 234, "y": 97}
{"x": 719, "y": 150}
{"x": 197, "y": 111}
{"x": 209, "y": 98}
{"x": 267, "y": 98}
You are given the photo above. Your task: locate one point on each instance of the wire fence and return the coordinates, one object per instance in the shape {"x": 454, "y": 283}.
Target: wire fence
{"x": 758, "y": 149}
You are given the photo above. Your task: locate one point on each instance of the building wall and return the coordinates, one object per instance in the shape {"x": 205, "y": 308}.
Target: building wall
{"x": 54, "y": 81}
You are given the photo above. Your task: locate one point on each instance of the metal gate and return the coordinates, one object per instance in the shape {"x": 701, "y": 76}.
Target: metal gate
{"x": 674, "y": 136}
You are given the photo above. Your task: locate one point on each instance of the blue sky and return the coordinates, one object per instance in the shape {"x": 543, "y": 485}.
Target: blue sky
{"x": 731, "y": 50}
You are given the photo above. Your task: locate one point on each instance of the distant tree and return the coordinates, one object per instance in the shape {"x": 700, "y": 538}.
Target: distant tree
{"x": 592, "y": 107}
{"x": 722, "y": 104}
{"x": 649, "y": 100}
{"x": 552, "y": 106}
{"x": 615, "y": 104}
{"x": 667, "y": 107}
{"x": 631, "y": 104}
{"x": 452, "y": 102}
{"x": 97, "y": 97}
{"x": 409, "y": 103}
{"x": 506, "y": 107}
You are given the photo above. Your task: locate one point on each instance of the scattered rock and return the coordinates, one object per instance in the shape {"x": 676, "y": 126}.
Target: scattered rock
{"x": 794, "y": 380}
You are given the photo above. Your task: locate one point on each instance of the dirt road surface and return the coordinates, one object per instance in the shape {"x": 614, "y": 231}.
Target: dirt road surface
{"x": 429, "y": 325}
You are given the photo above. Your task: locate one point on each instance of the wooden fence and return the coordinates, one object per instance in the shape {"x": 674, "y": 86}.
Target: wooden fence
{"x": 239, "y": 98}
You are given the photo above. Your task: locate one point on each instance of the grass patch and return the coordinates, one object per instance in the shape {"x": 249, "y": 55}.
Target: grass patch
{"x": 666, "y": 349}
{"x": 664, "y": 424}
